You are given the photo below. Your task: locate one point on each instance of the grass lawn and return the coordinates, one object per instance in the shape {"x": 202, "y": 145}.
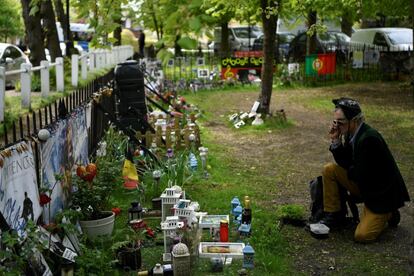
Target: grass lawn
{"x": 273, "y": 165}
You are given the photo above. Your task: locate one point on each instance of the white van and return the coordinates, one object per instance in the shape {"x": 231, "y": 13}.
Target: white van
{"x": 238, "y": 37}
{"x": 392, "y": 39}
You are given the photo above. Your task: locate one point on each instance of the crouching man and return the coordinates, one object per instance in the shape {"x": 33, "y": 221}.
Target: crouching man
{"x": 366, "y": 168}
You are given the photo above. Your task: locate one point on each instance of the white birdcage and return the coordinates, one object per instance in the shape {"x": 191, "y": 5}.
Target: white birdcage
{"x": 170, "y": 227}
{"x": 185, "y": 210}
{"x": 169, "y": 198}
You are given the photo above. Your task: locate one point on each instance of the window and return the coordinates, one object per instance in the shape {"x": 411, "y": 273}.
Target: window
{"x": 7, "y": 53}
{"x": 14, "y": 53}
{"x": 327, "y": 38}
{"x": 379, "y": 40}
{"x": 243, "y": 32}
{"x": 400, "y": 37}
{"x": 343, "y": 38}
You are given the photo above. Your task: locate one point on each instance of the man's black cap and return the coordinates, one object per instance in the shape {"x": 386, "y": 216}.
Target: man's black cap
{"x": 349, "y": 106}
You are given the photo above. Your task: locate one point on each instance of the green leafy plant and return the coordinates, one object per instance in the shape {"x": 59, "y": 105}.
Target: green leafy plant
{"x": 92, "y": 197}
{"x": 18, "y": 250}
{"x": 290, "y": 211}
{"x": 128, "y": 237}
{"x": 94, "y": 261}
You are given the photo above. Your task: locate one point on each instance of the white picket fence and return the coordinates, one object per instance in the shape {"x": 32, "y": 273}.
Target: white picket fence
{"x": 91, "y": 61}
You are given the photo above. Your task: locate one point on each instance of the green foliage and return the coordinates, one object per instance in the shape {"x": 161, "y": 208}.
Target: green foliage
{"x": 290, "y": 211}
{"x": 187, "y": 43}
{"x": 95, "y": 261}
{"x": 94, "y": 197}
{"x": 36, "y": 83}
{"x": 19, "y": 250}
{"x": 105, "y": 19}
{"x": 11, "y": 24}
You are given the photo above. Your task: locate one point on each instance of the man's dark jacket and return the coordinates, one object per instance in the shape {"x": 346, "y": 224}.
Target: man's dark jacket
{"x": 371, "y": 165}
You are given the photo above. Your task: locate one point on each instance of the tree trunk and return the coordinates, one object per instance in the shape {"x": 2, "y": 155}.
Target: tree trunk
{"x": 311, "y": 40}
{"x": 33, "y": 33}
{"x": 49, "y": 29}
{"x": 346, "y": 23}
{"x": 224, "y": 44}
{"x": 118, "y": 30}
{"x": 62, "y": 18}
{"x": 177, "y": 47}
{"x": 269, "y": 30}
{"x": 154, "y": 19}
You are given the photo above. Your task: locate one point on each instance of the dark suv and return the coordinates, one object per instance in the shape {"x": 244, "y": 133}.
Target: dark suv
{"x": 328, "y": 42}
{"x": 283, "y": 40}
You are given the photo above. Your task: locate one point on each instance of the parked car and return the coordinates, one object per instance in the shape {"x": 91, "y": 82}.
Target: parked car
{"x": 395, "y": 45}
{"x": 240, "y": 39}
{"x": 331, "y": 41}
{"x": 283, "y": 40}
{"x": 392, "y": 39}
{"x": 11, "y": 57}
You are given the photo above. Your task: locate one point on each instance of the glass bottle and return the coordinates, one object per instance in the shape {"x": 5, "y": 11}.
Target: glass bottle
{"x": 247, "y": 212}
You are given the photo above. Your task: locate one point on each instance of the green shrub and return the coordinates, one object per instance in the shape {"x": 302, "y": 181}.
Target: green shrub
{"x": 290, "y": 211}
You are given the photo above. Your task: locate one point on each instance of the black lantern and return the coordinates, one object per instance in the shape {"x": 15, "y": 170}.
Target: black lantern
{"x": 135, "y": 212}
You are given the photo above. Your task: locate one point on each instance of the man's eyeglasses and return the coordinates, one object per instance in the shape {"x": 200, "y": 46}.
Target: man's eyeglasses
{"x": 340, "y": 122}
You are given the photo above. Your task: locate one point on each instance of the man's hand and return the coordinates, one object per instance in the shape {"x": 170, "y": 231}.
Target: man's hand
{"x": 334, "y": 133}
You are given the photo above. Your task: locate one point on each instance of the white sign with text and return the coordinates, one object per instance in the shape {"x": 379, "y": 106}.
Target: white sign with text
{"x": 19, "y": 195}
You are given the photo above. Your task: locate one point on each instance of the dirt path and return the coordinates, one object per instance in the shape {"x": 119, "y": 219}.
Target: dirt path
{"x": 286, "y": 160}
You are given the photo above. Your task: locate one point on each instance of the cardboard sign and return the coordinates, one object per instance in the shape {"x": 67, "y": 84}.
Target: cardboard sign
{"x": 203, "y": 73}
{"x": 357, "y": 59}
{"x": 19, "y": 195}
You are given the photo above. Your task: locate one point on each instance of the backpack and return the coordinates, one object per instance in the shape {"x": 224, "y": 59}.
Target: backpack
{"x": 316, "y": 206}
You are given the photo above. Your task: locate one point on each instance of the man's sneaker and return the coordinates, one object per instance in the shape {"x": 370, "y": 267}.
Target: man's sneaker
{"x": 395, "y": 219}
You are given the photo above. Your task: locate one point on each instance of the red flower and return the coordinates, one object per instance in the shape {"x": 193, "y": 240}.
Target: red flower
{"x": 44, "y": 199}
{"x": 116, "y": 210}
{"x": 150, "y": 233}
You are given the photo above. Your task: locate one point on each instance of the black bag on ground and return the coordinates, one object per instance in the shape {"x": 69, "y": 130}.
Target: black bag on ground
{"x": 316, "y": 206}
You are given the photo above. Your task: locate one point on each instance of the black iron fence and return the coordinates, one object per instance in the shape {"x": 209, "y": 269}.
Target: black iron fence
{"x": 26, "y": 127}
{"x": 351, "y": 63}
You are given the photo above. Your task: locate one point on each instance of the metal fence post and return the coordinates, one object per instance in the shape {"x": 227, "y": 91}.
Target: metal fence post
{"x": 26, "y": 84}
{"x": 44, "y": 78}
{"x": 60, "y": 77}
{"x": 84, "y": 67}
{"x": 2, "y": 92}
{"x": 75, "y": 70}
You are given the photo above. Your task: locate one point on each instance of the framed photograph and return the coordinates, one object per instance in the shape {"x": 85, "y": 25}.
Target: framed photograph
{"x": 200, "y": 61}
{"x": 203, "y": 73}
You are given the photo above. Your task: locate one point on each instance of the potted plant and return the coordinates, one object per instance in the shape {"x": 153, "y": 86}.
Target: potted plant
{"x": 128, "y": 252}
{"x": 94, "y": 185}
